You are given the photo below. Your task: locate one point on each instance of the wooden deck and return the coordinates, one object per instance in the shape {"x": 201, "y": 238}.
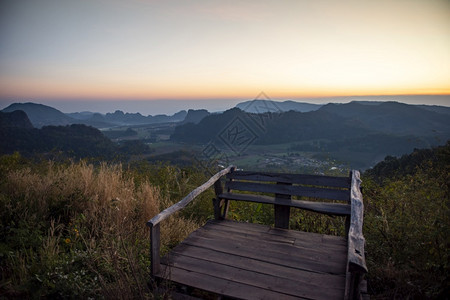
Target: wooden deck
{"x": 251, "y": 261}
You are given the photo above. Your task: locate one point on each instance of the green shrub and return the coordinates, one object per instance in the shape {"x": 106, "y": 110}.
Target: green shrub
{"x": 407, "y": 232}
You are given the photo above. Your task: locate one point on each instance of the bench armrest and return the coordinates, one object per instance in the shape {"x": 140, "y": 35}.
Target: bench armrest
{"x": 153, "y": 223}
{"x": 356, "y": 262}
{"x": 188, "y": 199}
{"x": 356, "y": 258}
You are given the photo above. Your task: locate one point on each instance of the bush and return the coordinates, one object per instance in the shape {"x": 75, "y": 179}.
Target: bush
{"x": 407, "y": 232}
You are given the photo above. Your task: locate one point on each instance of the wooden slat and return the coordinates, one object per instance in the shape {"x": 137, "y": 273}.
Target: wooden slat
{"x": 305, "y": 250}
{"x": 303, "y": 243}
{"x": 267, "y": 282}
{"x": 251, "y": 261}
{"x": 245, "y": 226}
{"x": 319, "y": 180}
{"x": 338, "y": 209}
{"x": 294, "y": 190}
{"x": 223, "y": 287}
{"x": 306, "y": 260}
{"x": 301, "y": 276}
{"x": 318, "y": 238}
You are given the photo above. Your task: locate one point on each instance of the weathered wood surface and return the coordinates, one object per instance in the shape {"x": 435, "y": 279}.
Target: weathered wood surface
{"x": 154, "y": 222}
{"x": 251, "y": 261}
{"x": 338, "y": 209}
{"x": 282, "y": 212}
{"x": 356, "y": 265}
{"x": 356, "y": 239}
{"x": 155, "y": 240}
{"x": 317, "y": 180}
{"x": 188, "y": 199}
{"x": 294, "y": 190}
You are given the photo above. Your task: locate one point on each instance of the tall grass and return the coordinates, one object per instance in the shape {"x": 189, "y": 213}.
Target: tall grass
{"x": 75, "y": 230}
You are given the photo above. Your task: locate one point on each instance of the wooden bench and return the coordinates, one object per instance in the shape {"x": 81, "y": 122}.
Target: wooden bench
{"x": 252, "y": 261}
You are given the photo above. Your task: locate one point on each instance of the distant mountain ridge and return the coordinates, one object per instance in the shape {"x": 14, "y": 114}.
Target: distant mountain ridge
{"x": 195, "y": 116}
{"x": 42, "y": 115}
{"x": 350, "y": 119}
{"x": 121, "y": 118}
{"x": 361, "y": 132}
{"x": 263, "y": 106}
{"x": 394, "y": 117}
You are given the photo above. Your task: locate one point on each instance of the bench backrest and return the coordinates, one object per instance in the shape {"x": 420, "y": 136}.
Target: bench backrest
{"x": 278, "y": 189}
{"x": 313, "y": 186}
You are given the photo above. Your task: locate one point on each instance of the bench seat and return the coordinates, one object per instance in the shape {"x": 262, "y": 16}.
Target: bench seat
{"x": 252, "y": 261}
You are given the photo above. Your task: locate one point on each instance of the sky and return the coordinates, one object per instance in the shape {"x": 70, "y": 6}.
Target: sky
{"x": 211, "y": 52}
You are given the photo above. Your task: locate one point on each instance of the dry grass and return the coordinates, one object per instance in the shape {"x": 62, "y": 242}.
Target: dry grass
{"x": 79, "y": 230}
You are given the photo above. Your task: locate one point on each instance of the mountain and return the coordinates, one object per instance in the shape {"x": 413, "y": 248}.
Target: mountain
{"x": 41, "y": 115}
{"x": 195, "y": 116}
{"x": 177, "y": 117}
{"x": 394, "y": 118}
{"x": 269, "y": 128}
{"x": 206, "y": 129}
{"x": 439, "y": 109}
{"x": 263, "y": 106}
{"x": 358, "y": 133}
{"x": 119, "y": 118}
{"x": 15, "y": 119}
{"x": 74, "y": 141}
{"x": 84, "y": 115}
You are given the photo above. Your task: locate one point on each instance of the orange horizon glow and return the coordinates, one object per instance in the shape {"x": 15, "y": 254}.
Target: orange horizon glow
{"x": 220, "y": 50}
{"x": 48, "y": 90}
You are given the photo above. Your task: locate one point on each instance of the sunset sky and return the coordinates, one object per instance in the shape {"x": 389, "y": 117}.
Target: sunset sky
{"x": 65, "y": 50}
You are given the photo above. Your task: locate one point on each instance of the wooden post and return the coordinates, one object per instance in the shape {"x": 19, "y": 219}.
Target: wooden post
{"x": 226, "y": 203}
{"x": 155, "y": 241}
{"x": 217, "y": 202}
{"x": 356, "y": 262}
{"x": 347, "y": 218}
{"x": 282, "y": 212}
{"x": 153, "y": 223}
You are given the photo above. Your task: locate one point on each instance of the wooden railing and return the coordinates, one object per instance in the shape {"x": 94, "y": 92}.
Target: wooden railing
{"x": 153, "y": 223}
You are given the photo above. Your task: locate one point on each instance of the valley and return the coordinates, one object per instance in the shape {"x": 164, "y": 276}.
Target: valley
{"x": 261, "y": 134}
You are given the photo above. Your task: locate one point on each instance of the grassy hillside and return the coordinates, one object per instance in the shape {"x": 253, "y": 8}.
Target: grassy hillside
{"x": 78, "y": 230}
{"x": 407, "y": 225}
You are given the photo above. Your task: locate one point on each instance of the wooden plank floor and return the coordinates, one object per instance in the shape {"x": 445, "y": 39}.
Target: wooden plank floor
{"x": 251, "y": 261}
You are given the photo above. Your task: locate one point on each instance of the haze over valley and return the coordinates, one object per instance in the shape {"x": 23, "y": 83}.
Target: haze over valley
{"x": 287, "y": 135}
